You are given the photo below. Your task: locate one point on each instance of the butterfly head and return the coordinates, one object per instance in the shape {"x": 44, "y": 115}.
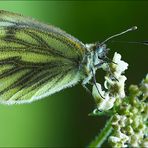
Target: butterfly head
{"x": 100, "y": 52}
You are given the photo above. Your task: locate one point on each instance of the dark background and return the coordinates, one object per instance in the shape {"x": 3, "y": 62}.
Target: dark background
{"x": 62, "y": 119}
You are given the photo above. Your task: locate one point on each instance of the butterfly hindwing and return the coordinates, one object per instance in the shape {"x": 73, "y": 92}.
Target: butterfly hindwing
{"x": 36, "y": 60}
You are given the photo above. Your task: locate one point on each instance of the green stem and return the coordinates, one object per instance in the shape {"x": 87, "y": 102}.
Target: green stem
{"x": 100, "y": 139}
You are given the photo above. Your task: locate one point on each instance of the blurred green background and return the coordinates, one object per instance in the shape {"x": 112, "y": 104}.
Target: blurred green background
{"x": 62, "y": 119}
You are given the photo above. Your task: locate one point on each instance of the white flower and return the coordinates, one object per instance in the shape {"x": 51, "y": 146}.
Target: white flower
{"x": 120, "y": 65}
{"x": 119, "y": 139}
{"x": 104, "y": 103}
{"x": 114, "y": 139}
{"x": 124, "y": 138}
{"x": 116, "y": 87}
{"x": 144, "y": 143}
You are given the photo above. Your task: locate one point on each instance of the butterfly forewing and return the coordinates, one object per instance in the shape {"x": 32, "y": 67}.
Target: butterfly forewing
{"x": 36, "y": 60}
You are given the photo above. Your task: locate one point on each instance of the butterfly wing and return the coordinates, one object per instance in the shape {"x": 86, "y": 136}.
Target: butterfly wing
{"x": 36, "y": 60}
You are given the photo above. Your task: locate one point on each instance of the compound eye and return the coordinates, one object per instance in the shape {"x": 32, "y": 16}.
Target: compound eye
{"x": 101, "y": 52}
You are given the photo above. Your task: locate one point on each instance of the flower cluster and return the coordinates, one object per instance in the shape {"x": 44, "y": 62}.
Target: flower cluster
{"x": 129, "y": 113}
{"x": 130, "y": 121}
{"x": 114, "y": 84}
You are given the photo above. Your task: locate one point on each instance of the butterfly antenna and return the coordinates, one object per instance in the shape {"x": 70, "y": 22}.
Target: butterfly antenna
{"x": 118, "y": 34}
{"x": 132, "y": 42}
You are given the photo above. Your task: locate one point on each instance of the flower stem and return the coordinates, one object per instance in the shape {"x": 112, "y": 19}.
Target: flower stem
{"x": 100, "y": 139}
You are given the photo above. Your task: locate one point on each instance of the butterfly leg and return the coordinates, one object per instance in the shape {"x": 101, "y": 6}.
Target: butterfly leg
{"x": 95, "y": 83}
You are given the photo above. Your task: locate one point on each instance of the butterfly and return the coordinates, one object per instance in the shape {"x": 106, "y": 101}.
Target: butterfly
{"x": 37, "y": 60}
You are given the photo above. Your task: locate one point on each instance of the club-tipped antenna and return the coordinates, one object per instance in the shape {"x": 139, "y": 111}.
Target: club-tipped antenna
{"x": 118, "y": 34}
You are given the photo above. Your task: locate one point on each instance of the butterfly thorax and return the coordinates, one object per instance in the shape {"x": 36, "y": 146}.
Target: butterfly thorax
{"x": 93, "y": 60}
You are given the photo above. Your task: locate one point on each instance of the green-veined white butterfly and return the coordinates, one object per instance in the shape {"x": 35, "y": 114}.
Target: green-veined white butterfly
{"x": 37, "y": 60}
